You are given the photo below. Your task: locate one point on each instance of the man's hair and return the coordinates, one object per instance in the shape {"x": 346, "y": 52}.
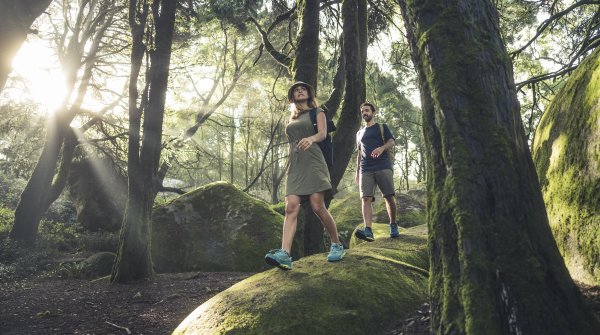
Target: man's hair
{"x": 368, "y": 104}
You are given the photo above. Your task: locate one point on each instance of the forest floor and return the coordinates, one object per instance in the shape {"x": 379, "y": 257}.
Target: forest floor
{"x": 156, "y": 306}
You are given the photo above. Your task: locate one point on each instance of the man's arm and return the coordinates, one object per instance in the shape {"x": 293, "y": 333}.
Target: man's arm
{"x": 358, "y": 158}
{"x": 379, "y": 150}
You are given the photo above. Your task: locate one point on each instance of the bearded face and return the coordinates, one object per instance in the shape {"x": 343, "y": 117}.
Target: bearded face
{"x": 366, "y": 113}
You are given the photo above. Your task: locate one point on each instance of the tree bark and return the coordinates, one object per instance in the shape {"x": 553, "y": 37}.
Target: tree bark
{"x": 355, "y": 50}
{"x": 133, "y": 260}
{"x": 35, "y": 198}
{"x": 305, "y": 65}
{"x": 494, "y": 266}
{"x": 16, "y": 18}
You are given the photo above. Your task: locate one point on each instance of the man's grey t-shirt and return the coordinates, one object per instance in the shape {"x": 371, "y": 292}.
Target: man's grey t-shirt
{"x": 367, "y": 140}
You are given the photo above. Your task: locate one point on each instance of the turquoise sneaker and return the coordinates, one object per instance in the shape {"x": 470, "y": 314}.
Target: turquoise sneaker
{"x": 394, "y": 230}
{"x": 336, "y": 253}
{"x": 365, "y": 234}
{"x": 279, "y": 258}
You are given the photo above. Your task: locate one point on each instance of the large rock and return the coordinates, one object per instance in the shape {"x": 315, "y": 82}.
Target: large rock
{"x": 373, "y": 286}
{"x": 216, "y": 227}
{"x": 566, "y": 152}
{"x": 98, "y": 265}
{"x": 99, "y": 194}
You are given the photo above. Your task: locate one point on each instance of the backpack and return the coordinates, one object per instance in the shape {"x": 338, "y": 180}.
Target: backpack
{"x": 391, "y": 152}
{"x": 326, "y": 145}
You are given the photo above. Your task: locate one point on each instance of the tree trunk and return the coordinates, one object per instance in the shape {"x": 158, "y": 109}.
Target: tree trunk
{"x": 355, "y": 49}
{"x": 16, "y": 18}
{"x": 305, "y": 66}
{"x": 133, "y": 260}
{"x": 494, "y": 266}
{"x": 34, "y": 199}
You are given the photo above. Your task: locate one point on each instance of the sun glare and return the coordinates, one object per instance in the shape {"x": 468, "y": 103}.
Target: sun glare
{"x": 44, "y": 81}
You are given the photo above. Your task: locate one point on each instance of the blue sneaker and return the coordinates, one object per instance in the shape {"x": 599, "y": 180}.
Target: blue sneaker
{"x": 336, "y": 253}
{"x": 279, "y": 258}
{"x": 365, "y": 234}
{"x": 394, "y": 230}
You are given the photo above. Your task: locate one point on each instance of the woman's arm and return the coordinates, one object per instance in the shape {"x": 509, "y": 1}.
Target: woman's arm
{"x": 321, "y": 127}
{"x": 306, "y": 142}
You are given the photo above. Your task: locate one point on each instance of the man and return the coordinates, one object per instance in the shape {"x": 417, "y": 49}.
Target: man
{"x": 374, "y": 168}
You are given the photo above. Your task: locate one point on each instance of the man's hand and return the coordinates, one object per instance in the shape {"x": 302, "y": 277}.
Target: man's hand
{"x": 377, "y": 152}
{"x": 357, "y": 179}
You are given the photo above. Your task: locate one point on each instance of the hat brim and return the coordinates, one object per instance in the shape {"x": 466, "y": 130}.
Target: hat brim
{"x": 310, "y": 89}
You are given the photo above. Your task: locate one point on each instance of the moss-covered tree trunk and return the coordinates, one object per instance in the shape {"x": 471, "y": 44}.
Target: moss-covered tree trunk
{"x": 16, "y": 18}
{"x": 566, "y": 151}
{"x": 305, "y": 64}
{"x": 495, "y": 268}
{"x": 354, "y": 14}
{"x": 133, "y": 260}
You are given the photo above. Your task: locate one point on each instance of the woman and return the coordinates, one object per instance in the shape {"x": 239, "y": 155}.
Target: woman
{"x": 307, "y": 175}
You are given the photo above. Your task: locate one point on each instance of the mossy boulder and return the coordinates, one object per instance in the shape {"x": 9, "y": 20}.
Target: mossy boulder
{"x": 373, "y": 286}
{"x": 216, "y": 227}
{"x": 566, "y": 152}
{"x": 99, "y": 193}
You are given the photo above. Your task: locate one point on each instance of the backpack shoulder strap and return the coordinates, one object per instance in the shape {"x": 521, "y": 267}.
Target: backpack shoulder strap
{"x": 382, "y": 133}
{"x": 313, "y": 118}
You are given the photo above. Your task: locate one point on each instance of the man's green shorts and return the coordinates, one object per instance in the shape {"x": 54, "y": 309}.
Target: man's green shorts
{"x": 384, "y": 179}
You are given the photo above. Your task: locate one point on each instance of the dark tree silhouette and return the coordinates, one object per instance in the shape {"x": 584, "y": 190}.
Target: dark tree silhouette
{"x": 16, "y": 18}
{"x": 133, "y": 260}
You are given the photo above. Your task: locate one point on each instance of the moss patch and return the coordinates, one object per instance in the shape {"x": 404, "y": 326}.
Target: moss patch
{"x": 216, "y": 227}
{"x": 566, "y": 152}
{"x": 375, "y": 284}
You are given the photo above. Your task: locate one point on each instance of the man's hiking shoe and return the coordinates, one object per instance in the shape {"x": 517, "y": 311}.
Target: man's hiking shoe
{"x": 365, "y": 234}
{"x": 394, "y": 230}
{"x": 279, "y": 258}
{"x": 336, "y": 253}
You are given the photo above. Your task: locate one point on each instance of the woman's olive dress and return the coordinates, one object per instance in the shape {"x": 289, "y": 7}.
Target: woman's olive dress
{"x": 308, "y": 171}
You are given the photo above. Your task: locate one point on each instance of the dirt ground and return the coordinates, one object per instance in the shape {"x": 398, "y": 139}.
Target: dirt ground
{"x": 157, "y": 306}
{"x": 77, "y": 306}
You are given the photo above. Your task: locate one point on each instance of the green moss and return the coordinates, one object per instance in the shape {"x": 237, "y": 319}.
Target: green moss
{"x": 374, "y": 285}
{"x": 566, "y": 152}
{"x": 216, "y": 227}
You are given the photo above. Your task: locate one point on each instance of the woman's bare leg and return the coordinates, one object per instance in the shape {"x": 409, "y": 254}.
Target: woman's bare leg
{"x": 317, "y": 203}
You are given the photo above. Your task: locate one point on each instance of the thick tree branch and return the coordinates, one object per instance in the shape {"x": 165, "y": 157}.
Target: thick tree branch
{"x": 278, "y": 56}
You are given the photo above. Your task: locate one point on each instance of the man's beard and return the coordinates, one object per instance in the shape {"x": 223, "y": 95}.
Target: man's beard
{"x": 367, "y": 117}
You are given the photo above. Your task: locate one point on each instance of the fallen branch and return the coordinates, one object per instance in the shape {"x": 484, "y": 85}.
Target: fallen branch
{"x": 119, "y": 327}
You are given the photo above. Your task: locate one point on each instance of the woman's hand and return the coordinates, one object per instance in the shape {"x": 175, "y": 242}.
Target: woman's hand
{"x": 305, "y": 143}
